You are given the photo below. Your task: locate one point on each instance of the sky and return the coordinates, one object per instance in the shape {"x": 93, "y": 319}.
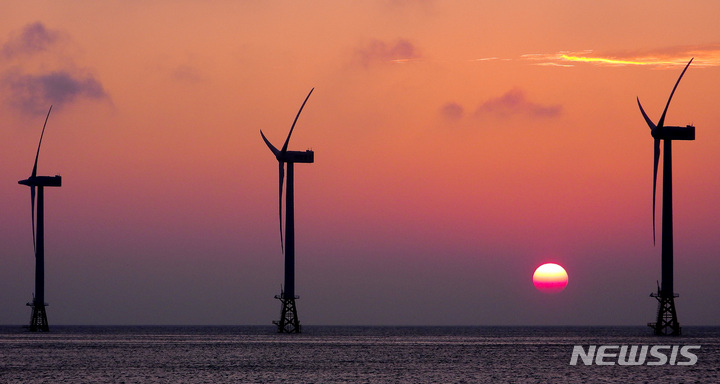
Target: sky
{"x": 458, "y": 146}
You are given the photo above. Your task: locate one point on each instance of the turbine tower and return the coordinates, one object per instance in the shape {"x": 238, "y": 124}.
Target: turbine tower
{"x": 666, "y": 322}
{"x": 38, "y": 319}
{"x": 289, "y": 322}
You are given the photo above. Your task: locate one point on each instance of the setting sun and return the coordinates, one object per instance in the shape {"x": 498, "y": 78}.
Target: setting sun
{"x": 550, "y": 278}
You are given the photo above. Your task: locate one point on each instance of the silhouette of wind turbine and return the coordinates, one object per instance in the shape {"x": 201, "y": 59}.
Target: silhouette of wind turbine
{"x": 38, "y": 319}
{"x": 666, "y": 323}
{"x": 288, "y": 322}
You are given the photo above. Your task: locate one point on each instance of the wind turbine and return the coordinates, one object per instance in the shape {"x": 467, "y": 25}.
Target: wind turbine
{"x": 38, "y": 319}
{"x": 289, "y": 322}
{"x": 666, "y": 322}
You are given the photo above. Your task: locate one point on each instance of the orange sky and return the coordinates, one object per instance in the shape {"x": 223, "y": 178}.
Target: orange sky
{"x": 458, "y": 146}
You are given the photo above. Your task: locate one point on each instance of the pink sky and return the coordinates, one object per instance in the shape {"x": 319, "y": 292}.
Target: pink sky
{"x": 458, "y": 146}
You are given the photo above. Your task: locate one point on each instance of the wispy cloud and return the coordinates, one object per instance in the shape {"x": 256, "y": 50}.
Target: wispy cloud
{"x": 33, "y": 38}
{"x": 378, "y": 51}
{"x": 515, "y": 103}
{"x": 187, "y": 73}
{"x": 487, "y": 59}
{"x": 33, "y": 93}
{"x": 707, "y": 55}
{"x": 452, "y": 111}
{"x": 35, "y": 72}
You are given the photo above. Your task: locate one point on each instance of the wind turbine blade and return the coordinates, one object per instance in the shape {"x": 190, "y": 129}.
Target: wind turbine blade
{"x": 656, "y": 160}
{"x": 34, "y": 171}
{"x": 32, "y": 215}
{"x": 282, "y": 178}
{"x": 647, "y": 119}
{"x": 284, "y": 148}
{"x": 662, "y": 118}
{"x": 272, "y": 147}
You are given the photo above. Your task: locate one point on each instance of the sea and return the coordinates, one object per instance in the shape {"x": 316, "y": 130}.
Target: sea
{"x": 347, "y": 354}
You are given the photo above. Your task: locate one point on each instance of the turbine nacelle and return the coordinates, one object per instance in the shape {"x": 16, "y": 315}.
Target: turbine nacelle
{"x": 674, "y": 133}
{"x": 297, "y": 157}
{"x": 42, "y": 181}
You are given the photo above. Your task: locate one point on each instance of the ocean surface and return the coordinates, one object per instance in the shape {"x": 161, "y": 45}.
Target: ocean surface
{"x": 340, "y": 354}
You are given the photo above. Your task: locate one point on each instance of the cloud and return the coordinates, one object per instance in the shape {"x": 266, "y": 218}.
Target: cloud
{"x": 36, "y": 72}
{"x": 707, "y": 55}
{"x": 452, "y": 111}
{"x": 487, "y": 59}
{"x": 187, "y": 73}
{"x": 515, "y": 103}
{"x": 378, "y": 51}
{"x": 33, "y": 38}
{"x": 34, "y": 93}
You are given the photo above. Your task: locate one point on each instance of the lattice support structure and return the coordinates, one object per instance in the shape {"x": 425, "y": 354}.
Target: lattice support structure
{"x": 38, "y": 318}
{"x": 289, "y": 322}
{"x": 666, "y": 323}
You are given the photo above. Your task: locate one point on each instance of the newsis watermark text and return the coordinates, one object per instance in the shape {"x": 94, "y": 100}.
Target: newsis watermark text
{"x": 635, "y": 355}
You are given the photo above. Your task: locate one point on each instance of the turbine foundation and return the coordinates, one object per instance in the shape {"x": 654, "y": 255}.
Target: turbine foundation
{"x": 289, "y": 322}
{"x": 666, "y": 323}
{"x": 38, "y": 318}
